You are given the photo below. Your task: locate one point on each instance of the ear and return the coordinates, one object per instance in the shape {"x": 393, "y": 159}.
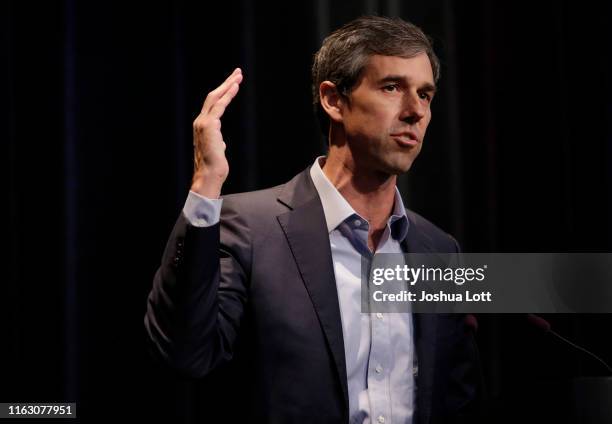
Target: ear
{"x": 331, "y": 101}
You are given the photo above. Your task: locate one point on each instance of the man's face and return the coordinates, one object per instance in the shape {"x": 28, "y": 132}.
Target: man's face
{"x": 388, "y": 112}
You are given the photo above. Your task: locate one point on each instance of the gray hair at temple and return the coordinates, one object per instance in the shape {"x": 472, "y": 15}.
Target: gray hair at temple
{"x": 345, "y": 53}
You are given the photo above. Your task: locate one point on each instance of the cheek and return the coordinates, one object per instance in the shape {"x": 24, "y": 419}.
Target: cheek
{"x": 367, "y": 121}
{"x": 425, "y": 121}
{"x": 372, "y": 116}
{"x": 373, "y": 110}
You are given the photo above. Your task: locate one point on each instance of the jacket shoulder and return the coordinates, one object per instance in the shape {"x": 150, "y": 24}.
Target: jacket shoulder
{"x": 441, "y": 240}
{"x": 269, "y": 202}
{"x": 252, "y": 204}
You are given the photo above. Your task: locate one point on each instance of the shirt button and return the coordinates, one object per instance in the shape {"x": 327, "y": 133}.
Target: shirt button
{"x": 379, "y": 315}
{"x": 357, "y": 222}
{"x": 379, "y": 368}
{"x": 381, "y": 419}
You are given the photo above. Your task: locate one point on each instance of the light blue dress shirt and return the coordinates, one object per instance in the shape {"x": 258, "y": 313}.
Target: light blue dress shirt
{"x": 379, "y": 348}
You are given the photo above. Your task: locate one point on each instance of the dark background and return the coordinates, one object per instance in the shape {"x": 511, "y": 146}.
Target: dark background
{"x": 97, "y": 101}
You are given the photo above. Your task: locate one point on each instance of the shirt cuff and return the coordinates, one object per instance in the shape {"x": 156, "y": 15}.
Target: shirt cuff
{"x": 201, "y": 211}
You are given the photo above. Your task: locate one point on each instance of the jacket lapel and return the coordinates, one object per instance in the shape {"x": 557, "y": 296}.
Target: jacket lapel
{"x": 306, "y": 232}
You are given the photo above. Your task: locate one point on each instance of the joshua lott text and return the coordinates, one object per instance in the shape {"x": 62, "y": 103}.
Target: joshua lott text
{"x": 407, "y": 296}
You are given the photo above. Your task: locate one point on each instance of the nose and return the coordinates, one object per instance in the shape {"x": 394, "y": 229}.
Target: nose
{"x": 413, "y": 109}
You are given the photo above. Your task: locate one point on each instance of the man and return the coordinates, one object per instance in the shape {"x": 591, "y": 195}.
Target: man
{"x": 277, "y": 271}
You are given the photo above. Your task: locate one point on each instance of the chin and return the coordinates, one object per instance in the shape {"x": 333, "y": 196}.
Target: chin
{"x": 403, "y": 170}
{"x": 399, "y": 168}
{"x": 394, "y": 163}
{"x": 400, "y": 163}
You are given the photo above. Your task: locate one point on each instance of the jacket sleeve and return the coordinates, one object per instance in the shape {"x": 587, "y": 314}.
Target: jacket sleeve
{"x": 199, "y": 294}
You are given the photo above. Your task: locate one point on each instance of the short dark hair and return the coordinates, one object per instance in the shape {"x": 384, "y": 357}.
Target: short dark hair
{"x": 346, "y": 51}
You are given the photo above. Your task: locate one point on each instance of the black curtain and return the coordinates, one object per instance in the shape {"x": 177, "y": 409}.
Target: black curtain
{"x": 97, "y": 104}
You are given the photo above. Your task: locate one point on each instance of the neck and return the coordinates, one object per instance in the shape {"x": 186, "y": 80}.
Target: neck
{"x": 369, "y": 192}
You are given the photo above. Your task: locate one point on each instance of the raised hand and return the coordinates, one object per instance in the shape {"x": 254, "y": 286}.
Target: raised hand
{"x": 210, "y": 164}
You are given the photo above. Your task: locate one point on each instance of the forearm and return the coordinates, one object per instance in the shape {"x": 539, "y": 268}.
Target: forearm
{"x": 182, "y": 309}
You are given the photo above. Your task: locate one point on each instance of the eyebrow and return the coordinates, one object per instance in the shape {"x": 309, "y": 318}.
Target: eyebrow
{"x": 429, "y": 87}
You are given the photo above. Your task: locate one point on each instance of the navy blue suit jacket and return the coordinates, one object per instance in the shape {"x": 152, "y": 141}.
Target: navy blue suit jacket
{"x": 259, "y": 289}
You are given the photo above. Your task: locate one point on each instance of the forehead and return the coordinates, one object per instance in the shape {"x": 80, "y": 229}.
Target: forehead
{"x": 415, "y": 69}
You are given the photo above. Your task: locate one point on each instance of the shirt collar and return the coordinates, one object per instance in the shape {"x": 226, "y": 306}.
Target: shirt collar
{"x": 338, "y": 210}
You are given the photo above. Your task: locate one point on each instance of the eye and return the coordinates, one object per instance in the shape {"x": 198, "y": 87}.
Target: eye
{"x": 425, "y": 96}
{"x": 391, "y": 88}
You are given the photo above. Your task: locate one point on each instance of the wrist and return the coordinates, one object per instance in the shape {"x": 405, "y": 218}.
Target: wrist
{"x": 207, "y": 184}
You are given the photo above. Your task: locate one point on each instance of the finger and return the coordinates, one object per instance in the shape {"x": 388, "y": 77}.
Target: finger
{"x": 218, "y": 108}
{"x": 218, "y": 92}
